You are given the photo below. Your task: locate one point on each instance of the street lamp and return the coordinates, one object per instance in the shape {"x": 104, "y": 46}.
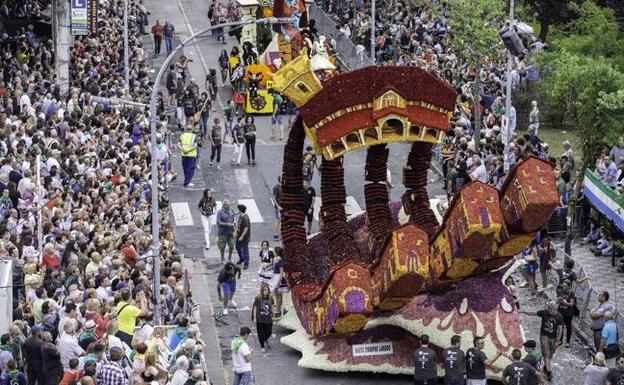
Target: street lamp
{"x": 507, "y": 134}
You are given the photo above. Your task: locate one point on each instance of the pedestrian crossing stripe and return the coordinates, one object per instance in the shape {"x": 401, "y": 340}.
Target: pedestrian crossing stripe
{"x": 252, "y": 210}
{"x": 182, "y": 214}
{"x": 244, "y": 185}
{"x": 351, "y": 207}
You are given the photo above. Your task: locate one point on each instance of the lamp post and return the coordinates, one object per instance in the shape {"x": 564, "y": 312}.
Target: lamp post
{"x": 126, "y": 53}
{"x": 372, "y": 42}
{"x": 508, "y": 106}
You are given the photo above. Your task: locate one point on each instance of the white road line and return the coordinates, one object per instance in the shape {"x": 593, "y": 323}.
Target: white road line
{"x": 182, "y": 213}
{"x": 252, "y": 210}
{"x": 351, "y": 207}
{"x": 242, "y": 179}
{"x": 219, "y": 205}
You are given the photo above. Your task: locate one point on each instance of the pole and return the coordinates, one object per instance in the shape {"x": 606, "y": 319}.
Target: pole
{"x": 126, "y": 52}
{"x": 61, "y": 36}
{"x": 372, "y": 43}
{"x": 154, "y": 164}
{"x": 39, "y": 205}
{"x": 508, "y": 133}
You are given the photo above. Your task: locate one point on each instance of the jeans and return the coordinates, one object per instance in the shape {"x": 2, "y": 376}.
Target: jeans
{"x": 250, "y": 147}
{"x": 203, "y": 123}
{"x": 188, "y": 165}
{"x": 242, "y": 248}
{"x": 237, "y": 154}
{"x": 169, "y": 43}
{"x": 243, "y": 378}
{"x": 157, "y": 43}
{"x": 216, "y": 151}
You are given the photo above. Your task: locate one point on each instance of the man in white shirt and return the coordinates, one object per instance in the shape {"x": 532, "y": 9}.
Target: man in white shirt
{"x": 241, "y": 358}
{"x": 68, "y": 344}
{"x": 480, "y": 172}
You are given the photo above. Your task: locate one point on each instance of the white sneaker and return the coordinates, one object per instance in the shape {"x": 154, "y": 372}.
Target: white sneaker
{"x": 263, "y": 350}
{"x": 190, "y": 185}
{"x": 233, "y": 304}
{"x": 225, "y": 311}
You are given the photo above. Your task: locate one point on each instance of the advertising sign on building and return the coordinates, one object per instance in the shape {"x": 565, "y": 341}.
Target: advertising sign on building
{"x": 79, "y": 17}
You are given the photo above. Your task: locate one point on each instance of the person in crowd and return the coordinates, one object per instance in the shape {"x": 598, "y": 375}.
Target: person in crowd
{"x": 226, "y": 285}
{"x": 31, "y": 351}
{"x": 238, "y": 140}
{"x": 551, "y": 333}
{"x": 265, "y": 273}
{"x": 249, "y": 129}
{"x": 597, "y": 316}
{"x": 188, "y": 147}
{"x": 276, "y": 198}
{"x": 609, "y": 343}
{"x": 157, "y": 32}
{"x": 68, "y": 344}
{"x": 476, "y": 360}
{"x": 567, "y": 308}
{"x": 616, "y": 374}
{"x": 278, "y": 281}
{"x": 533, "y": 358}
{"x": 546, "y": 256}
{"x": 72, "y": 374}
{"x": 51, "y": 359}
{"x": 241, "y": 358}
{"x": 308, "y": 203}
{"x": 225, "y": 230}
{"x": 216, "y": 142}
{"x": 207, "y": 208}
{"x": 261, "y": 314}
{"x": 12, "y": 375}
{"x": 112, "y": 373}
{"x": 181, "y": 375}
{"x": 243, "y": 235}
{"x": 596, "y": 372}
{"x": 425, "y": 361}
{"x": 617, "y": 152}
{"x": 454, "y": 361}
{"x": 518, "y": 371}
{"x": 127, "y": 314}
{"x": 169, "y": 33}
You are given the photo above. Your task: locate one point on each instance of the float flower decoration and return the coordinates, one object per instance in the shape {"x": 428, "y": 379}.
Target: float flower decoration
{"x": 373, "y": 277}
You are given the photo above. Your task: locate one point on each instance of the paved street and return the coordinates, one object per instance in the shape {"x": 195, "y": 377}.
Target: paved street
{"x": 252, "y": 186}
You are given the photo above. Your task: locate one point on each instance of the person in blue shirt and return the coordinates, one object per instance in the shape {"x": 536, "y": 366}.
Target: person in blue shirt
{"x": 609, "y": 342}
{"x": 12, "y": 376}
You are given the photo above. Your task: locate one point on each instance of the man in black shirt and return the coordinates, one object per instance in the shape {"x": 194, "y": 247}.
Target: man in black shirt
{"x": 243, "y": 236}
{"x": 454, "y": 363}
{"x": 226, "y": 284}
{"x": 276, "y": 198}
{"x": 551, "y": 331}
{"x": 32, "y": 355}
{"x": 616, "y": 375}
{"x": 518, "y": 372}
{"x": 308, "y": 202}
{"x": 425, "y": 372}
{"x": 476, "y": 360}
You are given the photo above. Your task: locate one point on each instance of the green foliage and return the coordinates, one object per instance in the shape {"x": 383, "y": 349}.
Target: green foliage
{"x": 595, "y": 32}
{"x": 475, "y": 26}
{"x": 546, "y": 12}
{"x": 588, "y": 92}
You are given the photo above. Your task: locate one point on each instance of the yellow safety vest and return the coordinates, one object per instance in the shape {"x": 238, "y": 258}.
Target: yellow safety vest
{"x": 187, "y": 144}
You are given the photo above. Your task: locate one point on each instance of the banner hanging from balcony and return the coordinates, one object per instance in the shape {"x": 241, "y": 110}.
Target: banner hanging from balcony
{"x": 604, "y": 199}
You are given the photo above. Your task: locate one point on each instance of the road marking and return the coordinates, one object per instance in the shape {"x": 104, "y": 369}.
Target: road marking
{"x": 252, "y": 210}
{"x": 242, "y": 178}
{"x": 219, "y": 205}
{"x": 182, "y": 213}
{"x": 351, "y": 207}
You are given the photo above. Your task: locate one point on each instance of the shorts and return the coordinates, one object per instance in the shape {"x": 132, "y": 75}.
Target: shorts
{"x": 276, "y": 119}
{"x": 223, "y": 240}
{"x": 548, "y": 346}
{"x": 228, "y": 288}
{"x": 472, "y": 381}
{"x": 531, "y": 267}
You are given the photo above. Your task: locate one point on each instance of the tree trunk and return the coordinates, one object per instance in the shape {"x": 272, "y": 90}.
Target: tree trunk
{"x": 544, "y": 26}
{"x": 477, "y": 108}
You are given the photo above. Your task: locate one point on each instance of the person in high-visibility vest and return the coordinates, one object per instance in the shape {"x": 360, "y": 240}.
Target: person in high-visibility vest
{"x": 188, "y": 148}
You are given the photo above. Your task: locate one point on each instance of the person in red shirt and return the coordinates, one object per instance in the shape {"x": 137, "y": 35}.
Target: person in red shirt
{"x": 50, "y": 259}
{"x": 129, "y": 252}
{"x": 158, "y": 32}
{"x": 73, "y": 374}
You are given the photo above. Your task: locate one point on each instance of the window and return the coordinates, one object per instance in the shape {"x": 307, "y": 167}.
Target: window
{"x": 302, "y": 87}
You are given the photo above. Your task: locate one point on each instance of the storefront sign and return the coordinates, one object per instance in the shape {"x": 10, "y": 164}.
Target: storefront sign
{"x": 375, "y": 349}
{"x": 79, "y": 17}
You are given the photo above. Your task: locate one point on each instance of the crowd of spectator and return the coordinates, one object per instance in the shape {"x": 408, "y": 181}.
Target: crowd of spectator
{"x": 76, "y": 224}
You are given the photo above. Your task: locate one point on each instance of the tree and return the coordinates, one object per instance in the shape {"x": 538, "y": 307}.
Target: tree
{"x": 548, "y": 12}
{"x": 474, "y": 29}
{"x": 586, "y": 88}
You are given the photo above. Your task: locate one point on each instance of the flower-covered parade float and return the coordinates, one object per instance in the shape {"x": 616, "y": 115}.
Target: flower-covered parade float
{"x": 364, "y": 289}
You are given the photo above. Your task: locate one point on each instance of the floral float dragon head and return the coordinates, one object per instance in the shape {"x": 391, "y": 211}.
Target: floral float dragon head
{"x": 357, "y": 278}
